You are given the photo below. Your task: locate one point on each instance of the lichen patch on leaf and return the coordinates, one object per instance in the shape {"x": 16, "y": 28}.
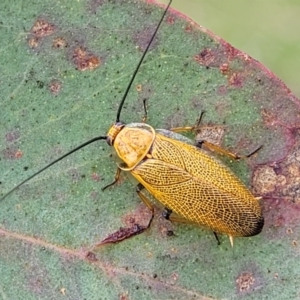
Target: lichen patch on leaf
{"x": 55, "y": 86}
{"x": 245, "y": 281}
{"x": 12, "y": 153}
{"x": 39, "y": 30}
{"x": 42, "y": 28}
{"x": 60, "y": 43}
{"x": 84, "y": 59}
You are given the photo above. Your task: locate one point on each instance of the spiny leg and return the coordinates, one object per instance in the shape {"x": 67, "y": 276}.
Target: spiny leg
{"x": 145, "y": 110}
{"x": 217, "y": 238}
{"x": 117, "y": 177}
{"x": 230, "y": 239}
{"x": 220, "y": 150}
{"x": 212, "y": 147}
{"x": 167, "y": 215}
{"x": 138, "y": 190}
{"x": 189, "y": 128}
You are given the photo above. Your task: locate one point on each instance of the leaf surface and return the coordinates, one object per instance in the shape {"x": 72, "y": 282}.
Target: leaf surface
{"x": 65, "y": 66}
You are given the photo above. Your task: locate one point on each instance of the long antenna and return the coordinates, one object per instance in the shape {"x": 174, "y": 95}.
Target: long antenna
{"x": 54, "y": 162}
{"x": 139, "y": 64}
{"x": 117, "y": 119}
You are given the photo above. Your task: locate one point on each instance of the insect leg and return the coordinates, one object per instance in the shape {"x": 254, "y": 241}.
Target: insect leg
{"x": 117, "y": 177}
{"x": 210, "y": 146}
{"x": 188, "y": 128}
{"x": 217, "y": 238}
{"x": 145, "y": 110}
{"x": 167, "y": 215}
{"x": 219, "y": 150}
{"x": 213, "y": 147}
{"x": 138, "y": 190}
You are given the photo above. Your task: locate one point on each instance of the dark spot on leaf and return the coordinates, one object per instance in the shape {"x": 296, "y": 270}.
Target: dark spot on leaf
{"x": 33, "y": 42}
{"x": 12, "y": 153}
{"x": 245, "y": 281}
{"x": 91, "y": 256}
{"x": 75, "y": 176}
{"x": 59, "y": 43}
{"x": 211, "y": 134}
{"x": 279, "y": 214}
{"x": 142, "y": 38}
{"x": 94, "y": 195}
{"x": 222, "y": 90}
{"x": 249, "y": 279}
{"x": 84, "y": 59}
{"x": 170, "y": 20}
{"x": 188, "y": 28}
{"x": 96, "y": 177}
{"x": 289, "y": 231}
{"x": 206, "y": 57}
{"x": 236, "y": 80}
{"x": 176, "y": 119}
{"x": 40, "y": 84}
{"x": 139, "y": 88}
{"x": 94, "y": 4}
{"x": 174, "y": 278}
{"x": 224, "y": 68}
{"x": 140, "y": 215}
{"x": 55, "y": 86}
{"x": 42, "y": 28}
{"x": 124, "y": 296}
{"x": 230, "y": 51}
{"x": 12, "y": 136}
{"x": 281, "y": 179}
{"x": 170, "y": 233}
{"x": 265, "y": 180}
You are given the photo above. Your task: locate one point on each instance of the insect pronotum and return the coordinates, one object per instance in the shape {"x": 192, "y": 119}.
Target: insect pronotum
{"x": 185, "y": 179}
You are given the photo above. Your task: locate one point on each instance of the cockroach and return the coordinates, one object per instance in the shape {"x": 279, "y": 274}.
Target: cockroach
{"x": 184, "y": 178}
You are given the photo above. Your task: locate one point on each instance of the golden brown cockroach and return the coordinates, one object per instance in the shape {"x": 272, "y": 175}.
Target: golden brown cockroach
{"x": 183, "y": 177}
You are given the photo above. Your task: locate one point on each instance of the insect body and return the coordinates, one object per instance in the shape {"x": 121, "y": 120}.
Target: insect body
{"x": 184, "y": 178}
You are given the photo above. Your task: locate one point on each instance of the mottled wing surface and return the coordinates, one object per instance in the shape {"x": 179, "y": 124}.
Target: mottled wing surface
{"x": 199, "y": 188}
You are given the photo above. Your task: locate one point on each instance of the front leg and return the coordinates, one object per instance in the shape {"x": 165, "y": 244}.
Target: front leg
{"x": 117, "y": 178}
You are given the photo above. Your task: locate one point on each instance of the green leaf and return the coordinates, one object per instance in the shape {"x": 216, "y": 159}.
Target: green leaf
{"x": 65, "y": 66}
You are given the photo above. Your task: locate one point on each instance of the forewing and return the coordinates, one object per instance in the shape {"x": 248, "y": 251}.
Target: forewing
{"x": 196, "y": 199}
